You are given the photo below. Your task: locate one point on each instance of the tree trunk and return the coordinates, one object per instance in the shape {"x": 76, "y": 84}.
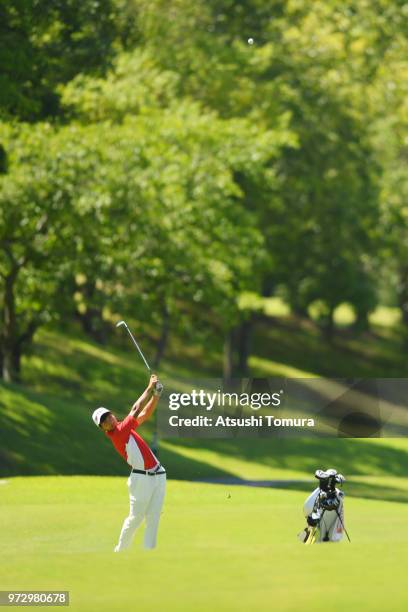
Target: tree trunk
{"x": 329, "y": 324}
{"x": 361, "y": 323}
{"x": 403, "y": 295}
{"x": 297, "y": 305}
{"x": 300, "y": 311}
{"x": 154, "y": 444}
{"x": 229, "y": 344}
{"x": 92, "y": 320}
{"x": 164, "y": 334}
{"x": 11, "y": 354}
{"x": 268, "y": 286}
{"x": 244, "y": 344}
{"x": 93, "y": 325}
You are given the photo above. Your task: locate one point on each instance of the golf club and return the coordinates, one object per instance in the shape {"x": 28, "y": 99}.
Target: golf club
{"x": 158, "y": 386}
{"x": 134, "y": 342}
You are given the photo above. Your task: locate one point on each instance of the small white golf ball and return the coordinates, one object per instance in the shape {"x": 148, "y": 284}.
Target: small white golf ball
{"x": 250, "y": 41}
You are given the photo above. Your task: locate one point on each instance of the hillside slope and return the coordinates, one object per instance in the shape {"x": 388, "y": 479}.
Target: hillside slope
{"x": 45, "y": 424}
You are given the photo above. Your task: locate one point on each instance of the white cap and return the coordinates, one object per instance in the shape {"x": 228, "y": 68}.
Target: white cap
{"x": 98, "y": 414}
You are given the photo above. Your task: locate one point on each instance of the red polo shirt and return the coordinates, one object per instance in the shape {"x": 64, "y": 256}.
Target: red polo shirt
{"x": 131, "y": 446}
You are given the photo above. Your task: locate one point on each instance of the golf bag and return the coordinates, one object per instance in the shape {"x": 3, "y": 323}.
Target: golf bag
{"x": 324, "y": 510}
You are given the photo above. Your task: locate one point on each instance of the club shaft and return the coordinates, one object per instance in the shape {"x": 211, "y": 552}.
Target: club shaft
{"x": 138, "y": 348}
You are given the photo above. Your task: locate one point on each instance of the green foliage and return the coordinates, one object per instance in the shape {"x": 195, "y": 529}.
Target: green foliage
{"x": 39, "y": 220}
{"x": 389, "y": 94}
{"x": 44, "y": 44}
{"x": 193, "y": 170}
{"x": 309, "y": 66}
{"x": 134, "y": 85}
{"x": 192, "y": 167}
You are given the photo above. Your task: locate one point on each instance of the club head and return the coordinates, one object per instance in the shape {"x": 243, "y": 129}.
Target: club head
{"x": 120, "y": 323}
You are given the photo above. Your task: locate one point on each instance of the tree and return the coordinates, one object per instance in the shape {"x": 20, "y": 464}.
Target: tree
{"x": 197, "y": 172}
{"x": 388, "y": 97}
{"x": 43, "y": 203}
{"x": 46, "y": 44}
{"x": 308, "y": 70}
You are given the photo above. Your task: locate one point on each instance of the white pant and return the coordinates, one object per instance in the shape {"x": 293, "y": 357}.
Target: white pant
{"x": 146, "y": 495}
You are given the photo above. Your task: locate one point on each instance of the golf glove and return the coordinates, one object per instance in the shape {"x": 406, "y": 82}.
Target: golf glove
{"x": 158, "y": 388}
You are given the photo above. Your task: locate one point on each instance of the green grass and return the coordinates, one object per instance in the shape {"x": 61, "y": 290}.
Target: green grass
{"x": 45, "y": 424}
{"x": 220, "y": 547}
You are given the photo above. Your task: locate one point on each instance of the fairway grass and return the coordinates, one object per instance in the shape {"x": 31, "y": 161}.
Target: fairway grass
{"x": 221, "y": 547}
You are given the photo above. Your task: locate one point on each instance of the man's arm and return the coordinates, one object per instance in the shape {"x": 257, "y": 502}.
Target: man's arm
{"x": 148, "y": 410}
{"x": 140, "y": 403}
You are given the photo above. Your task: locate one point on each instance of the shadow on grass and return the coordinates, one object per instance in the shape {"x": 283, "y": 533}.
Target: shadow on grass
{"x": 302, "y": 346}
{"x": 350, "y": 456}
{"x": 352, "y": 489}
{"x": 42, "y": 435}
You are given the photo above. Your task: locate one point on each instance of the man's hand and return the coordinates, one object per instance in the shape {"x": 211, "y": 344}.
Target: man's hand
{"x": 152, "y": 383}
{"x": 155, "y": 385}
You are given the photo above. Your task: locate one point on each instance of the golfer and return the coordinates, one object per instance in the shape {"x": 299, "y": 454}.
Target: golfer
{"x": 147, "y": 480}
